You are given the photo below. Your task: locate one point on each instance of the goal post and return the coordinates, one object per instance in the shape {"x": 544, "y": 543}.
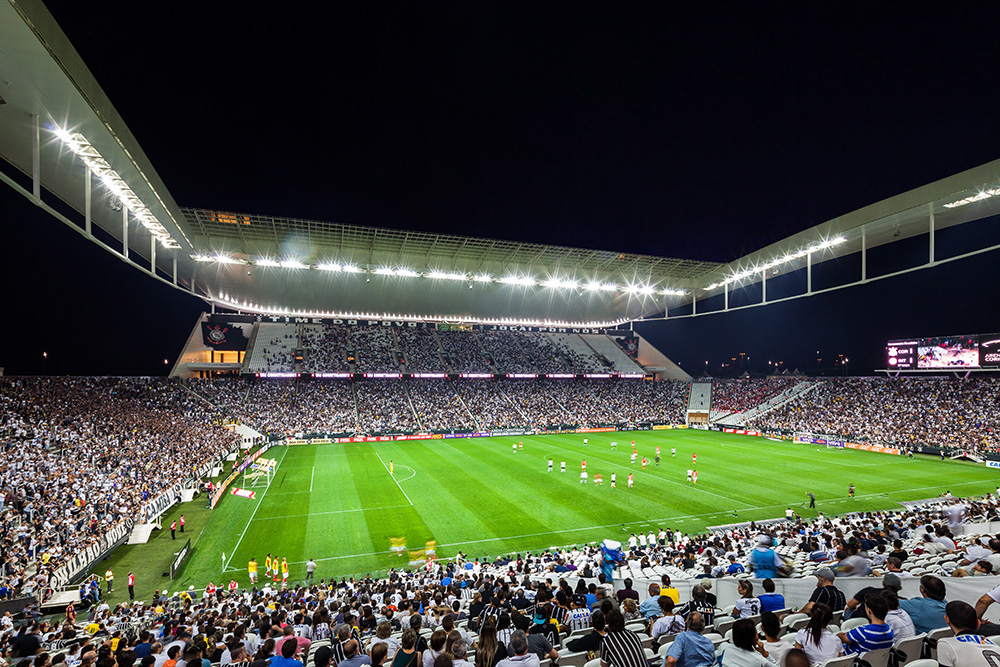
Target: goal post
{"x": 259, "y": 474}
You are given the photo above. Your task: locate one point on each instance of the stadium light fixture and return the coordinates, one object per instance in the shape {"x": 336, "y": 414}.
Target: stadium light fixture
{"x": 564, "y": 283}
{"x": 226, "y": 259}
{"x": 668, "y": 291}
{"x": 99, "y": 166}
{"x": 328, "y": 266}
{"x": 789, "y": 257}
{"x": 979, "y": 196}
{"x": 446, "y": 275}
{"x": 267, "y": 261}
{"x": 525, "y": 281}
{"x": 202, "y": 258}
{"x": 407, "y": 273}
{"x": 384, "y": 271}
{"x": 483, "y": 278}
{"x": 350, "y": 268}
{"x": 293, "y": 264}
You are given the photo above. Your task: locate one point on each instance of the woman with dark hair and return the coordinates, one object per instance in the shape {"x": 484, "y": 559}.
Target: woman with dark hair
{"x": 407, "y": 655}
{"x": 490, "y": 651}
{"x": 746, "y": 649}
{"x": 819, "y": 643}
{"x": 748, "y": 605}
{"x": 503, "y": 628}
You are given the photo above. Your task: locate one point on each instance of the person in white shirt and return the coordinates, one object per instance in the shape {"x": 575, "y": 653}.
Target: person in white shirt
{"x": 897, "y": 619}
{"x": 748, "y": 605}
{"x": 966, "y": 648}
{"x": 771, "y": 626}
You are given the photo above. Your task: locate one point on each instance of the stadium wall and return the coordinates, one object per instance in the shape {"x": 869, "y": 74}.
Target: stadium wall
{"x": 652, "y": 359}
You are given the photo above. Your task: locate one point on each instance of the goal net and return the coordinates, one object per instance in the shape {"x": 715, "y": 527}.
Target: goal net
{"x": 259, "y": 474}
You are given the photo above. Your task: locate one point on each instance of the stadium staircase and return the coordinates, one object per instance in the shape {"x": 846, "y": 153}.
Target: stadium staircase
{"x": 699, "y": 400}
{"x": 248, "y": 355}
{"x": 773, "y": 403}
{"x": 413, "y": 408}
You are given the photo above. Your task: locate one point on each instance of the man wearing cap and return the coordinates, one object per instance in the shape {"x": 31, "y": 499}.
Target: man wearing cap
{"x": 825, "y": 592}
{"x": 542, "y": 634}
{"x": 856, "y": 605}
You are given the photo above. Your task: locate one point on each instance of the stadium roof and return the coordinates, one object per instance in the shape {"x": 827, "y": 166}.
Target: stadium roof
{"x": 73, "y": 155}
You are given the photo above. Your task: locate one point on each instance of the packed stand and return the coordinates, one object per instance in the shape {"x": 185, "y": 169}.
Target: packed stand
{"x": 506, "y": 352}
{"x": 326, "y": 348}
{"x": 544, "y": 355}
{"x": 287, "y": 407}
{"x": 82, "y": 455}
{"x": 383, "y": 405}
{"x": 943, "y": 412}
{"x": 739, "y": 395}
{"x": 373, "y": 350}
{"x": 490, "y": 405}
{"x": 582, "y": 358}
{"x": 466, "y": 355}
{"x": 438, "y": 406}
{"x": 420, "y": 350}
{"x": 539, "y": 400}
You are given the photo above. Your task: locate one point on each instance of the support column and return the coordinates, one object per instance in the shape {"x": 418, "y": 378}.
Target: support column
{"x": 930, "y": 210}
{"x": 809, "y": 273}
{"x": 694, "y": 303}
{"x": 124, "y": 230}
{"x": 152, "y": 254}
{"x": 725, "y": 300}
{"x": 864, "y": 254}
{"x": 764, "y": 287}
{"x": 87, "y": 197}
{"x": 36, "y": 159}
{"x": 175, "y": 267}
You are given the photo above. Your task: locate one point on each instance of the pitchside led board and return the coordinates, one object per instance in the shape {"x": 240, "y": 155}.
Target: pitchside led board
{"x": 944, "y": 352}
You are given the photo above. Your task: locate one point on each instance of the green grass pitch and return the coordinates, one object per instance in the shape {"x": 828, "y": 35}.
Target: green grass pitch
{"x": 339, "y": 504}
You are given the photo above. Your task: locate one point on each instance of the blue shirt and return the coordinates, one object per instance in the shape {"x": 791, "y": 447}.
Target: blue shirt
{"x": 281, "y": 661}
{"x": 650, "y": 608}
{"x": 869, "y": 637}
{"x": 691, "y": 649}
{"x": 927, "y": 614}
{"x": 771, "y": 601}
{"x": 735, "y": 568}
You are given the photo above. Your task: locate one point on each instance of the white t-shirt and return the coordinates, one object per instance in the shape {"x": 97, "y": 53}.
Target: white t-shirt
{"x": 746, "y": 607}
{"x": 968, "y": 651}
{"x": 829, "y": 645}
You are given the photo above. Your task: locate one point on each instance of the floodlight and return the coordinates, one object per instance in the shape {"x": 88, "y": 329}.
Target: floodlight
{"x": 293, "y": 264}
{"x": 202, "y": 258}
{"x": 985, "y": 194}
{"x": 266, "y": 261}
{"x": 516, "y": 280}
{"x": 408, "y": 273}
{"x": 483, "y": 278}
{"x": 446, "y": 275}
{"x": 101, "y": 168}
{"x": 328, "y": 266}
{"x": 384, "y": 271}
{"x": 226, "y": 259}
{"x": 350, "y": 268}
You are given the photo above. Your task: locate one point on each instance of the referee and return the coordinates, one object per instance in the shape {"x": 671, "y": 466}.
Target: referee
{"x": 621, "y": 647}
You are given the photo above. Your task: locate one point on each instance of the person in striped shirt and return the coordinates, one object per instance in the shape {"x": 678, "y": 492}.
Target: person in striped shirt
{"x": 873, "y": 636}
{"x": 579, "y": 615}
{"x": 621, "y": 647}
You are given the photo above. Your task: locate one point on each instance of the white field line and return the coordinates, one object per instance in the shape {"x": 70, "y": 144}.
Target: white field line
{"x": 312, "y": 475}
{"x": 254, "y": 513}
{"x": 394, "y": 479}
{"x": 358, "y": 509}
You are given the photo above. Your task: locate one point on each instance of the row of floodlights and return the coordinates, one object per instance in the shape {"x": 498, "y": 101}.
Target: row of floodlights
{"x": 100, "y": 168}
{"x": 774, "y": 263}
{"x": 524, "y": 281}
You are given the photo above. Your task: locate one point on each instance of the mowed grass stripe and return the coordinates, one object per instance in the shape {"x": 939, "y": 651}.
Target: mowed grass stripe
{"x": 475, "y": 495}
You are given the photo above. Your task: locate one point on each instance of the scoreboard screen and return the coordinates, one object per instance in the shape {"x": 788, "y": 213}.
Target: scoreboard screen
{"x": 989, "y": 351}
{"x": 948, "y": 352}
{"x": 901, "y": 354}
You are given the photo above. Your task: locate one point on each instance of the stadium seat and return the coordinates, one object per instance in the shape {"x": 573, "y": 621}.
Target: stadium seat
{"x": 793, "y": 618}
{"x": 852, "y": 623}
{"x": 878, "y": 658}
{"x": 596, "y": 662}
{"x": 924, "y": 662}
{"x": 909, "y": 649}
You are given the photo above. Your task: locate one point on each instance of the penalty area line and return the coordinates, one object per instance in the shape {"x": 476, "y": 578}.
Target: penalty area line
{"x": 259, "y": 502}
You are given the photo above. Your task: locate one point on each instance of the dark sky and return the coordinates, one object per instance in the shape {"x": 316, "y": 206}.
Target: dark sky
{"x": 701, "y": 130}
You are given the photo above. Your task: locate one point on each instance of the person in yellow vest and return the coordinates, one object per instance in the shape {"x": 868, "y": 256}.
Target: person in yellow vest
{"x": 109, "y": 576}
{"x": 284, "y": 572}
{"x": 131, "y": 586}
{"x": 252, "y": 571}
{"x": 275, "y": 564}
{"x": 390, "y": 466}
{"x": 267, "y": 566}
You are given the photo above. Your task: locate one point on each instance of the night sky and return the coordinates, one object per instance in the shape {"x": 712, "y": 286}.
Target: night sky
{"x": 702, "y": 130}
